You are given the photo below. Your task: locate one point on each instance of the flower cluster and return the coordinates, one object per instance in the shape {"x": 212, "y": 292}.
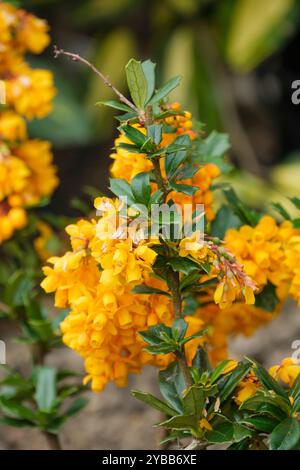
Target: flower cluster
{"x": 28, "y": 91}
{"x": 233, "y": 283}
{"x": 270, "y": 253}
{"x": 95, "y": 280}
{"x": 27, "y": 174}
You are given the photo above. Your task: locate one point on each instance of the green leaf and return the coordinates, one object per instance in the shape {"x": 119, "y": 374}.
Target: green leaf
{"x": 156, "y": 197}
{"x": 137, "y": 82}
{"x": 165, "y": 90}
{"x": 143, "y": 289}
{"x": 16, "y": 423}
{"x": 183, "y": 265}
{"x": 172, "y": 385}
{"x": 134, "y": 135}
{"x": 244, "y": 213}
{"x": 296, "y": 223}
{"x": 114, "y": 104}
{"x": 268, "y": 382}
{"x": 179, "y": 328}
{"x": 149, "y": 72}
{"x": 121, "y": 188}
{"x": 174, "y": 159}
{"x": 163, "y": 348}
{"x": 224, "y": 220}
{"x": 219, "y": 370}
{"x": 129, "y": 147}
{"x": 199, "y": 334}
{"x": 215, "y": 145}
{"x": 194, "y": 401}
{"x": 201, "y": 361}
{"x": 267, "y": 298}
{"x": 45, "y": 395}
{"x": 261, "y": 423}
{"x": 233, "y": 380}
{"x": 16, "y": 410}
{"x": 157, "y": 334}
{"x": 286, "y": 435}
{"x": 181, "y": 422}
{"x": 228, "y": 432}
{"x": 185, "y": 171}
{"x": 184, "y": 188}
{"x": 18, "y": 289}
{"x": 241, "y": 445}
{"x": 154, "y": 131}
{"x": 264, "y": 405}
{"x": 281, "y": 210}
{"x": 295, "y": 393}
{"x": 154, "y": 402}
{"x": 295, "y": 201}
{"x": 76, "y": 407}
{"x": 141, "y": 190}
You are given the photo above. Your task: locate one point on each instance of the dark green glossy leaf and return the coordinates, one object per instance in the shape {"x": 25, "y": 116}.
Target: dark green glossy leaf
{"x": 137, "y": 82}
{"x": 143, "y": 289}
{"x": 114, "y": 104}
{"x": 172, "y": 385}
{"x": 134, "y": 135}
{"x": 121, "y": 188}
{"x": 149, "y": 72}
{"x": 267, "y": 298}
{"x": 183, "y": 265}
{"x": 268, "y": 382}
{"x": 141, "y": 190}
{"x": 165, "y": 90}
{"x": 154, "y": 402}
{"x": 286, "y": 435}
{"x": 233, "y": 380}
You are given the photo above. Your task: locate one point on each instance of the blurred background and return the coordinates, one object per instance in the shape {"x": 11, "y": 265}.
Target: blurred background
{"x": 238, "y": 59}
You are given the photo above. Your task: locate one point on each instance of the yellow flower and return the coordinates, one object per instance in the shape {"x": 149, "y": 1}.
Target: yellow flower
{"x": 12, "y": 126}
{"x": 287, "y": 371}
{"x": 204, "y": 424}
{"x": 32, "y": 33}
{"x": 21, "y": 30}
{"x": 13, "y": 175}
{"x": 30, "y": 91}
{"x": 247, "y": 388}
{"x": 37, "y": 156}
{"x": 11, "y": 219}
{"x": 269, "y": 253}
{"x": 230, "y": 367}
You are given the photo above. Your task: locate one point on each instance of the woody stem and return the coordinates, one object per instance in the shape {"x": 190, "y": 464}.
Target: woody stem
{"x": 173, "y": 281}
{"x": 106, "y": 81}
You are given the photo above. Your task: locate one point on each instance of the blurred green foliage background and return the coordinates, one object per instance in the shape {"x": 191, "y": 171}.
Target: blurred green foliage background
{"x": 238, "y": 59}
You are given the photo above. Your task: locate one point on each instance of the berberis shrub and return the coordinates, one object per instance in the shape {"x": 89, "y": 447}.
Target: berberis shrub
{"x": 164, "y": 275}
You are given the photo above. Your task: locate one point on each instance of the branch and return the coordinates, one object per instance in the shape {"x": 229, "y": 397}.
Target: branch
{"x": 107, "y": 82}
{"x": 173, "y": 280}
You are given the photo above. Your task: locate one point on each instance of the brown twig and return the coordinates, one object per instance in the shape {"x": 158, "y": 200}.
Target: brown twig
{"x": 53, "y": 441}
{"x": 107, "y": 82}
